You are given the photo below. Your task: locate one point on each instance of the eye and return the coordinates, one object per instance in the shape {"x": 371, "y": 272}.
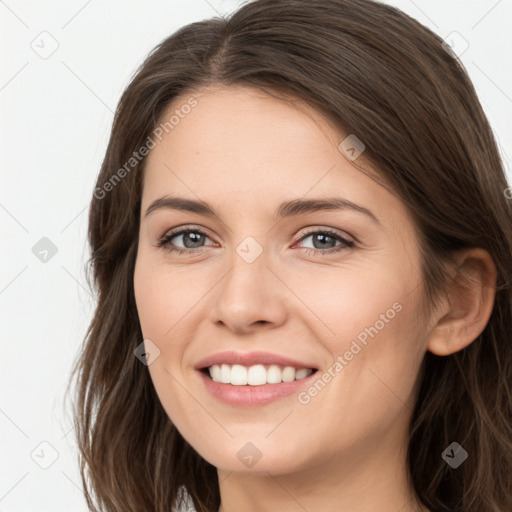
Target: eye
{"x": 323, "y": 240}
{"x": 191, "y": 238}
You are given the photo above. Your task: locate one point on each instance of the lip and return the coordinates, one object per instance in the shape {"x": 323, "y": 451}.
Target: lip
{"x": 253, "y": 396}
{"x": 232, "y": 357}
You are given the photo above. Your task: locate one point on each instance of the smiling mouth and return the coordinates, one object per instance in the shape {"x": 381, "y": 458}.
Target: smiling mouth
{"x": 255, "y": 375}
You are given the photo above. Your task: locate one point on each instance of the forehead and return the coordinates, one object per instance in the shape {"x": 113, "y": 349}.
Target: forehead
{"x": 241, "y": 122}
{"x": 238, "y": 145}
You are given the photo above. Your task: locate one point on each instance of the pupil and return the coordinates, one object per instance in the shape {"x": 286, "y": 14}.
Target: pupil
{"x": 324, "y": 237}
{"x": 197, "y": 236}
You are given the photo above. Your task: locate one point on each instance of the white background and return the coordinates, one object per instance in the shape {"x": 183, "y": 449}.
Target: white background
{"x": 56, "y": 115}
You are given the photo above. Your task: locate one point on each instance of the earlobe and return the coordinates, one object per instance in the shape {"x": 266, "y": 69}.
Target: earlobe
{"x": 469, "y": 305}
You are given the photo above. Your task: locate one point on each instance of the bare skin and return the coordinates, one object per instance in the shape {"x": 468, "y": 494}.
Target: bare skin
{"x": 344, "y": 448}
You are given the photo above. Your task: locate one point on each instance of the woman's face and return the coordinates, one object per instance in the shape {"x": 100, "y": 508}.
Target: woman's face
{"x": 277, "y": 284}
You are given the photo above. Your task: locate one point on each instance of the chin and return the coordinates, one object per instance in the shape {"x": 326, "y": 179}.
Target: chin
{"x": 258, "y": 457}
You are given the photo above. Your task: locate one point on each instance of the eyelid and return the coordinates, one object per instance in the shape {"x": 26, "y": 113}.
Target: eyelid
{"x": 180, "y": 230}
{"x": 332, "y": 231}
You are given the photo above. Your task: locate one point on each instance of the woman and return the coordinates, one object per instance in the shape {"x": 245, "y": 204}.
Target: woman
{"x": 301, "y": 241}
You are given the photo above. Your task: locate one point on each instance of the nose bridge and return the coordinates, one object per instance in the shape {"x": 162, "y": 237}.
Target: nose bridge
{"x": 248, "y": 292}
{"x": 246, "y": 280}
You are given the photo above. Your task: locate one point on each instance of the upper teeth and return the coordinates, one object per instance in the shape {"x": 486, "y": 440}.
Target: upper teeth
{"x": 256, "y": 375}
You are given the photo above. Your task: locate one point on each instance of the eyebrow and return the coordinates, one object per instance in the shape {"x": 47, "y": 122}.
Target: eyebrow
{"x": 285, "y": 209}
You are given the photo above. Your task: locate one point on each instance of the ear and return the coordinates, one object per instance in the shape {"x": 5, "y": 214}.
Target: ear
{"x": 464, "y": 314}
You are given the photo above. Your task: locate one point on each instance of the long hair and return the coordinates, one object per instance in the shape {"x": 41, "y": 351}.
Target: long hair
{"x": 376, "y": 73}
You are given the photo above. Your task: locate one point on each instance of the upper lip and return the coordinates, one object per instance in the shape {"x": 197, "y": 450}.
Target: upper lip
{"x": 249, "y": 359}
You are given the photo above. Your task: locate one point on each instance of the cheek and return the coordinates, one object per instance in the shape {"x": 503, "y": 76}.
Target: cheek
{"x": 346, "y": 301}
{"x": 369, "y": 317}
{"x": 377, "y": 344}
{"x": 162, "y": 306}
{"x": 149, "y": 297}
{"x": 164, "y": 297}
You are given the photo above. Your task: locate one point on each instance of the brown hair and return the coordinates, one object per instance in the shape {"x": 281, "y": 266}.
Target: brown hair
{"x": 386, "y": 78}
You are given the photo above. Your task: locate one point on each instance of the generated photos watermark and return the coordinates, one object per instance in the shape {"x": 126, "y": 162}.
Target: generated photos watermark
{"x": 305, "y": 397}
{"x": 143, "y": 151}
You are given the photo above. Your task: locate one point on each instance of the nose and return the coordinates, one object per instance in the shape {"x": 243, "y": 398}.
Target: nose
{"x": 249, "y": 297}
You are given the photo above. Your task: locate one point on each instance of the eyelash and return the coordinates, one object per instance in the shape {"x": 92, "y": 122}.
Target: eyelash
{"x": 165, "y": 244}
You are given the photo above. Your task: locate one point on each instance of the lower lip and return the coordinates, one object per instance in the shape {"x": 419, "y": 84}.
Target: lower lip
{"x": 253, "y": 396}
